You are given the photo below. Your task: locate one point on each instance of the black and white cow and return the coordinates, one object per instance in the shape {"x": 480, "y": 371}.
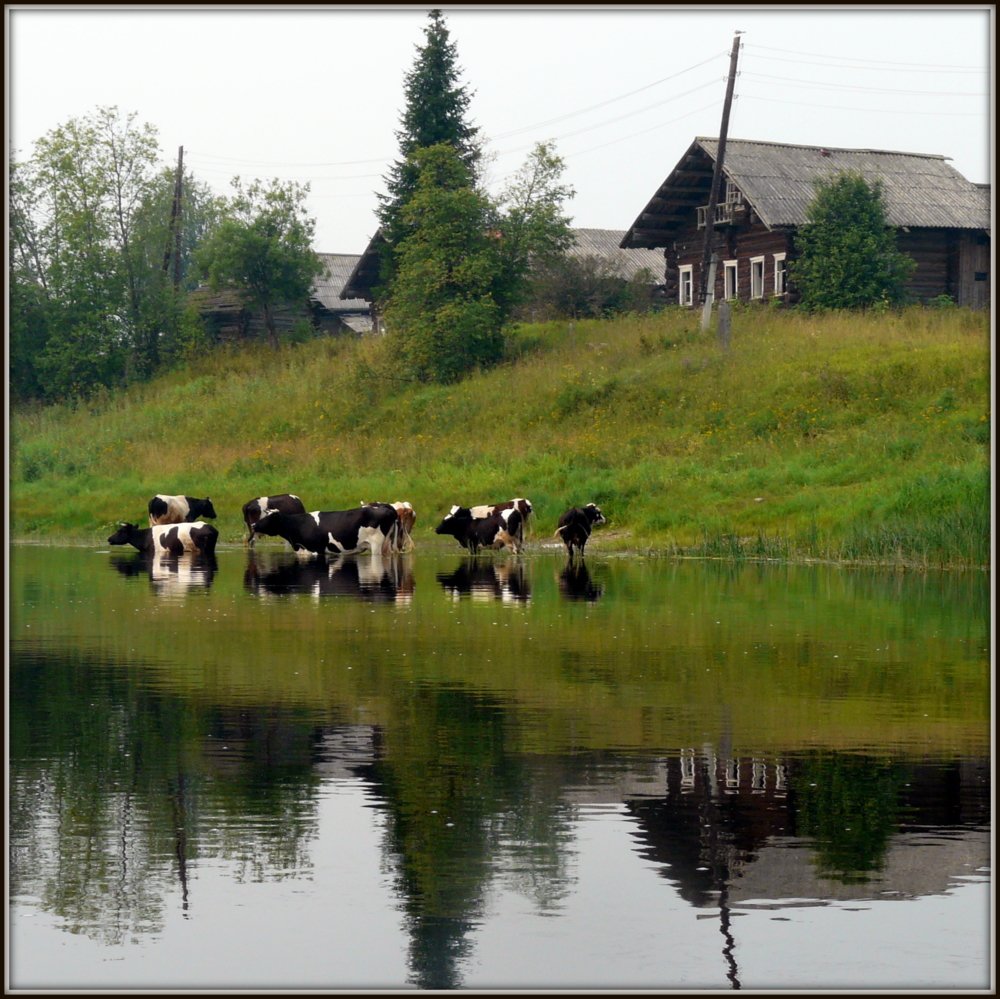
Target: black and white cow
{"x": 407, "y": 518}
{"x": 254, "y": 509}
{"x": 373, "y": 527}
{"x": 178, "y": 509}
{"x": 522, "y": 505}
{"x": 494, "y": 531}
{"x": 168, "y": 539}
{"x": 576, "y": 524}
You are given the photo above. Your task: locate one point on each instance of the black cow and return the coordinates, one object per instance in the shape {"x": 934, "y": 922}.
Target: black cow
{"x": 178, "y": 509}
{"x": 373, "y": 527}
{"x": 494, "y": 531}
{"x": 254, "y": 509}
{"x": 576, "y": 524}
{"x": 171, "y": 539}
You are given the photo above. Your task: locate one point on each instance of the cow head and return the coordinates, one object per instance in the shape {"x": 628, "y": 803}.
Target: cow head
{"x": 206, "y": 509}
{"x": 124, "y": 533}
{"x": 594, "y": 515}
{"x": 457, "y": 517}
{"x": 269, "y": 524}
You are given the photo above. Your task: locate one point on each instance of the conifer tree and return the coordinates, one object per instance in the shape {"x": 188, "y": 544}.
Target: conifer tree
{"x": 435, "y": 112}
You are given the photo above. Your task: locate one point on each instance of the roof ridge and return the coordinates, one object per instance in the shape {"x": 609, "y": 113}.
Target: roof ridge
{"x": 832, "y": 149}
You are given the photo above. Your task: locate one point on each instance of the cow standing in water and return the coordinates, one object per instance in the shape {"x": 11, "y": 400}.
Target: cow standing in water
{"x": 576, "y": 524}
{"x": 168, "y": 539}
{"x": 254, "y": 509}
{"x": 495, "y": 531}
{"x": 374, "y": 527}
{"x": 165, "y": 509}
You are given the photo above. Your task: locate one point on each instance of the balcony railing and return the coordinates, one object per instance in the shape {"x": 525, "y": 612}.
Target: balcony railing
{"x": 726, "y": 213}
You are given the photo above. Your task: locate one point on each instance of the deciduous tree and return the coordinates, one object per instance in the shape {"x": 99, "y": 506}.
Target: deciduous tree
{"x": 263, "y": 246}
{"x": 442, "y": 315}
{"x": 846, "y": 253}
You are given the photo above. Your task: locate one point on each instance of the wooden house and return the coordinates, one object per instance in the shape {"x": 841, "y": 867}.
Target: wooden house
{"x": 942, "y": 220}
{"x": 228, "y": 316}
{"x": 603, "y": 245}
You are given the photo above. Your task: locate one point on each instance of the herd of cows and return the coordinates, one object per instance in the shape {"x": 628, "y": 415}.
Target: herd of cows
{"x": 176, "y": 526}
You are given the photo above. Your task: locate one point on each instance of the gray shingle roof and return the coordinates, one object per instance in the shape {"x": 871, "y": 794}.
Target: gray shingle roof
{"x": 328, "y": 286}
{"x": 778, "y": 180}
{"x": 919, "y": 190}
{"x": 604, "y": 243}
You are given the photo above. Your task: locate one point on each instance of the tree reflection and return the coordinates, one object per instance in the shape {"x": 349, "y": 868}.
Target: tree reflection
{"x": 109, "y": 793}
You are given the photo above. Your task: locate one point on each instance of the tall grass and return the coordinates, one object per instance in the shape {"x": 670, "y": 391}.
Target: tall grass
{"x": 855, "y": 437}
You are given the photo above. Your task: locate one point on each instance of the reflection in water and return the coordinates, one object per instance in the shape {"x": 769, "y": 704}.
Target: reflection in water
{"x": 488, "y": 580}
{"x": 366, "y": 577}
{"x": 198, "y": 781}
{"x": 169, "y": 575}
{"x": 575, "y": 582}
{"x": 137, "y": 784}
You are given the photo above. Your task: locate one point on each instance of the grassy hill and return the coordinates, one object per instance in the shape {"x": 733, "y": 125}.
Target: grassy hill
{"x": 847, "y": 437}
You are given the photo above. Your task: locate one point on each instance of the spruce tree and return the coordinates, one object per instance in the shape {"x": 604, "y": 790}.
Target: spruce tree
{"x": 435, "y": 112}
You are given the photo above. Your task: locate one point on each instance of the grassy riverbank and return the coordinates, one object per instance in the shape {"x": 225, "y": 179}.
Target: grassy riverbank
{"x": 854, "y": 438}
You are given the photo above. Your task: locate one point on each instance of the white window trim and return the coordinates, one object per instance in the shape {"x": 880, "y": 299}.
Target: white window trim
{"x": 757, "y": 292}
{"x": 727, "y": 266}
{"x": 685, "y": 269}
{"x": 778, "y": 258}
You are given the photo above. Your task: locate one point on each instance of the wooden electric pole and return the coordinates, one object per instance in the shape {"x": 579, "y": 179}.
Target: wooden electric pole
{"x": 174, "y": 233}
{"x": 706, "y": 288}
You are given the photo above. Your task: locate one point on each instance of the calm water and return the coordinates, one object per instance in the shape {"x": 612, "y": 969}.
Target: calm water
{"x": 439, "y": 773}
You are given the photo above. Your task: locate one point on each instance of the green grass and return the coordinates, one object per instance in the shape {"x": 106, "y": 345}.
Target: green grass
{"x": 845, "y": 437}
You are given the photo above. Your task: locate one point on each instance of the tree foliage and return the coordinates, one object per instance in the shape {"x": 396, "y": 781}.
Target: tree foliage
{"x": 587, "y": 287}
{"x": 443, "y": 316}
{"x": 846, "y": 253}
{"x": 263, "y": 247}
{"x": 435, "y": 112}
{"x": 535, "y": 232}
{"x": 91, "y": 305}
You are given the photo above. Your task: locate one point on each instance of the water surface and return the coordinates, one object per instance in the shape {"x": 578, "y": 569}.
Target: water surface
{"x": 504, "y": 773}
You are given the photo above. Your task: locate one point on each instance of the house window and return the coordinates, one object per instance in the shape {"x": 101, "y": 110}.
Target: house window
{"x": 779, "y": 274}
{"x": 756, "y": 277}
{"x": 730, "y": 287}
{"x": 686, "y": 274}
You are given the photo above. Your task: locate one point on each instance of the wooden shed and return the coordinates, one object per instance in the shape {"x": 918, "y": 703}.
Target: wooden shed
{"x": 942, "y": 219}
{"x": 228, "y": 316}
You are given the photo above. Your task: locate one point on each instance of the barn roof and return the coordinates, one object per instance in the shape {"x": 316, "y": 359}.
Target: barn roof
{"x": 331, "y": 283}
{"x": 920, "y": 190}
{"x": 606, "y": 244}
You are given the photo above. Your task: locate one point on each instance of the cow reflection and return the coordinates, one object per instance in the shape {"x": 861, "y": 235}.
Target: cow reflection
{"x": 370, "y": 578}
{"x": 506, "y": 581}
{"x": 575, "y": 582}
{"x": 169, "y": 575}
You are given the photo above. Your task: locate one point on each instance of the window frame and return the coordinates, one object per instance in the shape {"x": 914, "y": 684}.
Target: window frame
{"x": 780, "y": 287}
{"x": 727, "y": 267}
{"x": 757, "y": 287}
{"x": 685, "y": 271}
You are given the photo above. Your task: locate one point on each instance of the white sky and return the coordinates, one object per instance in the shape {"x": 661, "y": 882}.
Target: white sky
{"x": 314, "y": 93}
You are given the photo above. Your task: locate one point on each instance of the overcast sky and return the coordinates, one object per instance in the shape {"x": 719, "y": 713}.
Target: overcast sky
{"x": 314, "y": 93}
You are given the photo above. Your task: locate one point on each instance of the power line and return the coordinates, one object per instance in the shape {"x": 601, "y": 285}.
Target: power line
{"x": 866, "y": 90}
{"x": 857, "y": 59}
{"x": 841, "y": 107}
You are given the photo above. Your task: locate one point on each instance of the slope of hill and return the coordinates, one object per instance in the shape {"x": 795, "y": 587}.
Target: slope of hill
{"x": 846, "y": 437}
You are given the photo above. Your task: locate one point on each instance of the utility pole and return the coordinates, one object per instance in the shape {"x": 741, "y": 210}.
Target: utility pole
{"x": 174, "y": 232}
{"x": 706, "y": 288}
